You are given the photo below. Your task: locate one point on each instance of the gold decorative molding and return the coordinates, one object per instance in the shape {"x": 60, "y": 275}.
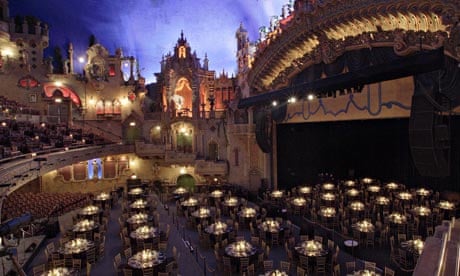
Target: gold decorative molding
{"x": 325, "y": 30}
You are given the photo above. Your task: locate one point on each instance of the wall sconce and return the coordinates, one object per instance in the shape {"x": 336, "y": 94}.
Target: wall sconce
{"x": 132, "y": 124}
{"x": 92, "y": 101}
{"x": 7, "y": 52}
{"x": 124, "y": 101}
{"x": 182, "y": 170}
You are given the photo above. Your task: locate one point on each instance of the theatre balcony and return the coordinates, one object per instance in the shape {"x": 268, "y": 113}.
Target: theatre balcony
{"x": 206, "y": 167}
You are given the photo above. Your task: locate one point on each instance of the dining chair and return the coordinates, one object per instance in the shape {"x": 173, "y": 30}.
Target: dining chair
{"x": 370, "y": 239}
{"x": 286, "y": 266}
{"x": 227, "y": 265}
{"x": 39, "y": 269}
{"x": 163, "y": 246}
{"x": 318, "y": 239}
{"x": 369, "y": 266}
{"x": 91, "y": 255}
{"x": 76, "y": 265}
{"x": 117, "y": 259}
{"x": 148, "y": 271}
{"x": 275, "y": 238}
{"x": 336, "y": 270}
{"x": 300, "y": 271}
{"x": 170, "y": 267}
{"x": 101, "y": 251}
{"x": 351, "y": 266}
{"x": 148, "y": 245}
{"x": 244, "y": 263}
{"x": 58, "y": 263}
{"x": 128, "y": 253}
{"x": 127, "y": 272}
{"x": 388, "y": 271}
{"x": 320, "y": 267}
{"x": 303, "y": 262}
{"x": 89, "y": 267}
{"x": 268, "y": 265}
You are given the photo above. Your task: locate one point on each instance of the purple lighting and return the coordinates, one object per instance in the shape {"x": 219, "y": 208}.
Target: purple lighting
{"x": 148, "y": 29}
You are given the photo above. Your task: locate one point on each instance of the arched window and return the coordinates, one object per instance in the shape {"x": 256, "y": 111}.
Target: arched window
{"x": 182, "y": 52}
{"x": 116, "y": 107}
{"x": 213, "y": 151}
{"x": 155, "y": 135}
{"x": 100, "y": 107}
{"x": 236, "y": 153}
{"x": 108, "y": 107}
{"x": 184, "y": 140}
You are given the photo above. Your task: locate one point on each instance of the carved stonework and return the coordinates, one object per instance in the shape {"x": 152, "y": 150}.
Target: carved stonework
{"x": 322, "y": 31}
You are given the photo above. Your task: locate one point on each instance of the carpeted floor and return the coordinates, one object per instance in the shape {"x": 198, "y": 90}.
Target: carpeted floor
{"x": 201, "y": 261}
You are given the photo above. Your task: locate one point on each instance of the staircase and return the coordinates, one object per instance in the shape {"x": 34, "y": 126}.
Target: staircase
{"x": 108, "y": 130}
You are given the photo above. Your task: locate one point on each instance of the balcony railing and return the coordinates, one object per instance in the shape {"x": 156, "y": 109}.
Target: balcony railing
{"x": 149, "y": 150}
{"x": 179, "y": 157}
{"x": 211, "y": 167}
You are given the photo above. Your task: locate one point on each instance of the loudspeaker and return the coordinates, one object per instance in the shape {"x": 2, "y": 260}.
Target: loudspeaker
{"x": 429, "y": 142}
{"x": 263, "y": 130}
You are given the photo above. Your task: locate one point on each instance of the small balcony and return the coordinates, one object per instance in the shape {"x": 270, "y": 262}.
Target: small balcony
{"x": 149, "y": 150}
{"x": 216, "y": 168}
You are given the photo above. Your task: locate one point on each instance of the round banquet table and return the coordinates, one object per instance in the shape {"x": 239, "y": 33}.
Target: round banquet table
{"x": 135, "y": 193}
{"x": 60, "y": 271}
{"x": 137, "y": 220}
{"x": 218, "y": 231}
{"x": 146, "y": 234}
{"x": 77, "y": 248}
{"x": 311, "y": 249}
{"x": 276, "y": 272}
{"x": 103, "y": 199}
{"x": 86, "y": 227}
{"x": 241, "y": 249}
{"x": 139, "y": 205}
{"x": 91, "y": 212}
{"x": 145, "y": 259}
{"x": 363, "y": 272}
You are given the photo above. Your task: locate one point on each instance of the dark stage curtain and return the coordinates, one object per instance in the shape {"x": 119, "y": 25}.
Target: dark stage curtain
{"x": 373, "y": 148}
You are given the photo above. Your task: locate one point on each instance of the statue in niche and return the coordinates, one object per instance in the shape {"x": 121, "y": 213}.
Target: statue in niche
{"x": 97, "y": 69}
{"x": 49, "y": 65}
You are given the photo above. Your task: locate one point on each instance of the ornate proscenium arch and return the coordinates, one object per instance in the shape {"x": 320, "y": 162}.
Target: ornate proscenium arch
{"x": 368, "y": 73}
{"x": 322, "y": 31}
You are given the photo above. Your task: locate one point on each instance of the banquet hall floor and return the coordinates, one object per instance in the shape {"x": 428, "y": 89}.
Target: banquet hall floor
{"x": 192, "y": 263}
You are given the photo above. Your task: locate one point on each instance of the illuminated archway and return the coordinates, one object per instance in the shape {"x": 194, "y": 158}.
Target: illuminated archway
{"x": 183, "y": 95}
{"x": 187, "y": 181}
{"x": 67, "y": 92}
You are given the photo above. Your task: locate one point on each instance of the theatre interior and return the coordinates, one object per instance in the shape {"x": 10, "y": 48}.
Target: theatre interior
{"x": 333, "y": 150}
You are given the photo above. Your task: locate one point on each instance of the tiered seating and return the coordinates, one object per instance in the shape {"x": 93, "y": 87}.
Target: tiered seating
{"x": 41, "y": 205}
{"x": 13, "y": 107}
{"x": 21, "y": 137}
